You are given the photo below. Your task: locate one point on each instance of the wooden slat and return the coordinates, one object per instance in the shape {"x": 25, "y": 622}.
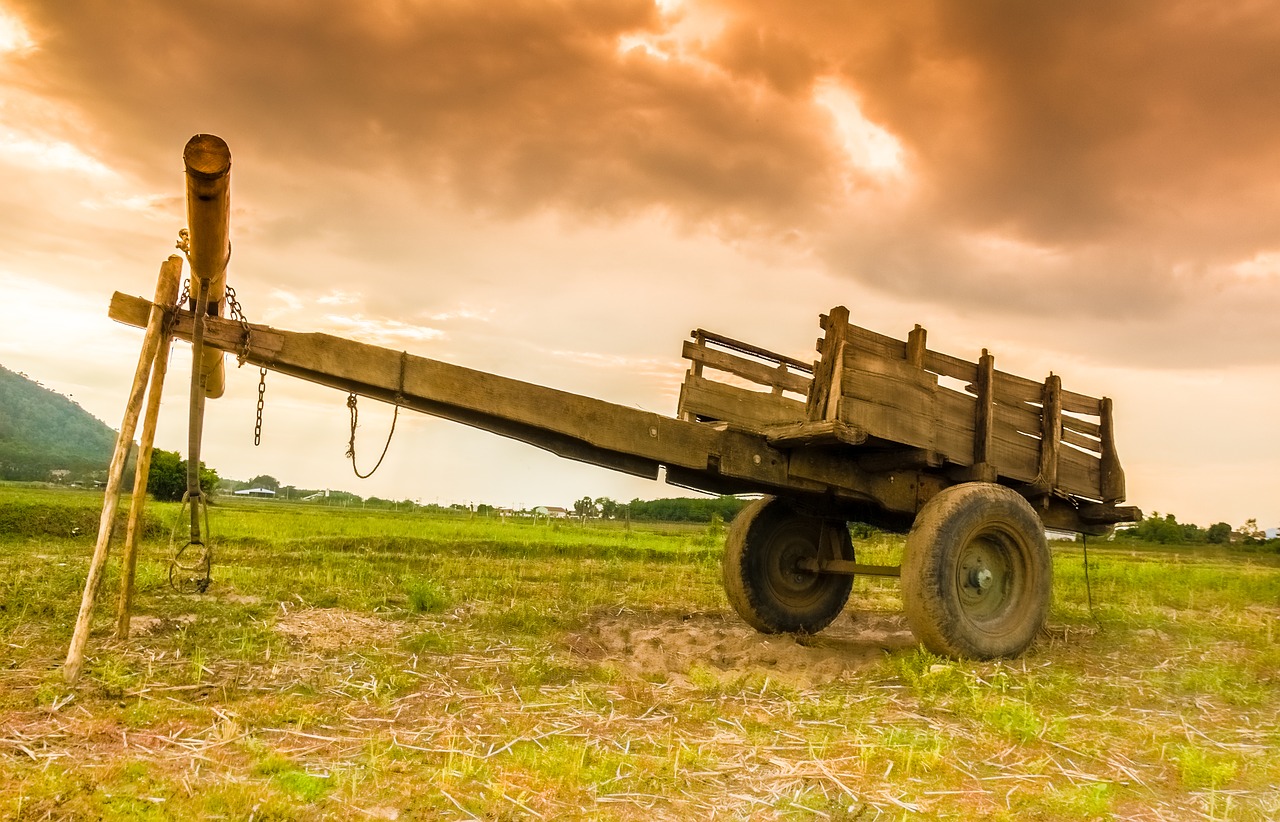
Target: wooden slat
{"x": 954, "y": 414}
{"x": 748, "y": 348}
{"x": 871, "y": 342}
{"x": 1078, "y": 473}
{"x": 888, "y": 398}
{"x": 752, "y": 410}
{"x": 949, "y": 366}
{"x": 1093, "y": 429}
{"x": 822, "y": 432}
{"x": 1080, "y": 403}
{"x": 1018, "y": 415}
{"x": 1012, "y": 389}
{"x": 1080, "y": 440}
{"x": 747, "y": 369}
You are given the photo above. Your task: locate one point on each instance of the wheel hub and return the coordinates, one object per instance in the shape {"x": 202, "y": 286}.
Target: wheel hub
{"x": 984, "y": 577}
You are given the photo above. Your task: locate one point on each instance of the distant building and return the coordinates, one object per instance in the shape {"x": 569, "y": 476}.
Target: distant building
{"x": 255, "y": 492}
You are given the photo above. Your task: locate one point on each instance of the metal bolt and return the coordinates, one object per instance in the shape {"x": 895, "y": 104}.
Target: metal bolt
{"x": 755, "y": 459}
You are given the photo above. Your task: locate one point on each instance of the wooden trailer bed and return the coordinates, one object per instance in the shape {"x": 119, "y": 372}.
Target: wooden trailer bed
{"x": 888, "y": 402}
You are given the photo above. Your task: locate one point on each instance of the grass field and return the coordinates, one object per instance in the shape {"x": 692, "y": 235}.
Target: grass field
{"x": 353, "y": 665}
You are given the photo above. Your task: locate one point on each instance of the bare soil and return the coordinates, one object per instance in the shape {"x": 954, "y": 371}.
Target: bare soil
{"x": 668, "y": 645}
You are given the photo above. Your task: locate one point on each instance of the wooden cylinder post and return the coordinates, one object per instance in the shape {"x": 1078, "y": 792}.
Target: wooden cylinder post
{"x": 170, "y": 276}
{"x": 208, "y": 167}
{"x": 166, "y": 293}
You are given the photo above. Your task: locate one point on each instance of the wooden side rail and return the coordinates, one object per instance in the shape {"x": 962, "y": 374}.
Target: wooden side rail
{"x": 705, "y": 400}
{"x": 1000, "y": 425}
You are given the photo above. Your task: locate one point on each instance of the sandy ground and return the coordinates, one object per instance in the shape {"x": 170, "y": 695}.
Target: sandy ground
{"x": 669, "y": 645}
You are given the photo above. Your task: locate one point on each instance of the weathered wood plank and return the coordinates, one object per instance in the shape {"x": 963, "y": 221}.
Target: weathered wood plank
{"x": 753, "y": 410}
{"x": 1093, "y": 429}
{"x": 822, "y": 393}
{"x": 1080, "y": 440}
{"x": 1023, "y": 417}
{"x": 916, "y": 347}
{"x": 889, "y": 398}
{"x": 754, "y": 350}
{"x": 949, "y": 366}
{"x": 1079, "y": 473}
{"x": 954, "y": 418}
{"x": 863, "y": 338}
{"x": 1051, "y": 431}
{"x": 1111, "y": 484}
{"x": 822, "y": 432}
{"x": 747, "y": 369}
{"x": 984, "y": 470}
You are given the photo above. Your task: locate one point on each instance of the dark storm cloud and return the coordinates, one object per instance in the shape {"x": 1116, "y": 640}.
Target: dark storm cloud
{"x": 1121, "y": 157}
{"x": 511, "y": 106}
{"x": 1093, "y": 159}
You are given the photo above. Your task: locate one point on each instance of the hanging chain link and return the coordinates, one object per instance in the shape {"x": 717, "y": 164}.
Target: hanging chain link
{"x": 235, "y": 312}
{"x": 262, "y": 396}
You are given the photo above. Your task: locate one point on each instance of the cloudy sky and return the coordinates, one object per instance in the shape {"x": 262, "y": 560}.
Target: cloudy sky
{"x": 559, "y": 191}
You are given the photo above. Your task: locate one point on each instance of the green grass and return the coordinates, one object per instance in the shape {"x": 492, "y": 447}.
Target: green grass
{"x": 355, "y": 665}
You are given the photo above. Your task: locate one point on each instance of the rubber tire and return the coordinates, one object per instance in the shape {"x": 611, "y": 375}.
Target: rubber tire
{"x": 967, "y": 527}
{"x": 763, "y": 536}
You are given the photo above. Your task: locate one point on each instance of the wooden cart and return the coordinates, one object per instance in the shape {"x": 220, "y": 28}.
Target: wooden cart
{"x": 975, "y": 463}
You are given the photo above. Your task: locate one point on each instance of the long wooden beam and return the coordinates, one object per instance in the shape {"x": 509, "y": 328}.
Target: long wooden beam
{"x": 569, "y": 425}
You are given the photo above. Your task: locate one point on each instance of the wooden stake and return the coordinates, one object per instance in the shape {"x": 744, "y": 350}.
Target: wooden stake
{"x": 170, "y": 275}
{"x": 984, "y": 420}
{"x": 165, "y": 295}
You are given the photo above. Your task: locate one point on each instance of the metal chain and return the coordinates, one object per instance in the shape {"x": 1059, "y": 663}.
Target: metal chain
{"x": 236, "y": 312}
{"x": 186, "y": 293}
{"x": 262, "y": 393}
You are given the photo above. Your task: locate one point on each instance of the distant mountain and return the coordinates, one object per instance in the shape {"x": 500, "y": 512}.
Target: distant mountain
{"x": 42, "y": 431}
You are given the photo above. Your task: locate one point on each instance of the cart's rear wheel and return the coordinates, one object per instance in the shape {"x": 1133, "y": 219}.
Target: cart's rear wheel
{"x": 762, "y": 575}
{"x": 976, "y": 574}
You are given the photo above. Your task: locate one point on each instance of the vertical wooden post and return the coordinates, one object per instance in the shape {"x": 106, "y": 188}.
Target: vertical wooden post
{"x": 984, "y": 469}
{"x": 170, "y": 275}
{"x": 916, "y": 347}
{"x": 1050, "y": 432}
{"x": 1112, "y": 480}
{"x": 824, "y": 392}
{"x": 111, "y": 497}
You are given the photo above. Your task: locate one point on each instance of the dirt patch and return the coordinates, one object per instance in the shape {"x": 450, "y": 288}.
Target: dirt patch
{"x": 669, "y": 645}
{"x": 145, "y": 625}
{"x": 334, "y": 629}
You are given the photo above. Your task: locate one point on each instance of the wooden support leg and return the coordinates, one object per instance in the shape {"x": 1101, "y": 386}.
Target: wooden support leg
{"x": 169, "y": 270}
{"x": 169, "y": 276}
